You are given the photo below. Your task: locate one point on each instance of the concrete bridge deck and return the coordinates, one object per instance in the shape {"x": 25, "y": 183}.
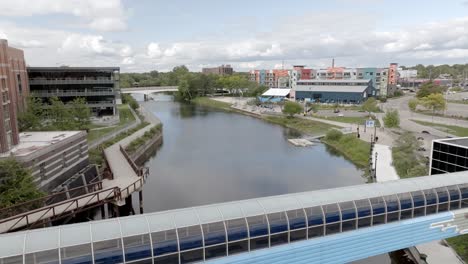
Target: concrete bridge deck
{"x": 149, "y": 89}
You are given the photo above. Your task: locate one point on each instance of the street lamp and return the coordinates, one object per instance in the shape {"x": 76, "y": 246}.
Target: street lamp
{"x": 375, "y": 168}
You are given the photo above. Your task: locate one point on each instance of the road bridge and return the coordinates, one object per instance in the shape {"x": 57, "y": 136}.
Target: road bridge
{"x": 327, "y": 226}
{"x": 149, "y": 90}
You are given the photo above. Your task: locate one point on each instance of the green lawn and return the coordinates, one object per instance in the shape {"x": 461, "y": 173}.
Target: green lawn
{"x": 302, "y": 125}
{"x": 205, "y": 101}
{"x": 126, "y": 117}
{"x": 455, "y": 130}
{"x": 352, "y": 148}
{"x": 347, "y": 119}
{"x": 460, "y": 244}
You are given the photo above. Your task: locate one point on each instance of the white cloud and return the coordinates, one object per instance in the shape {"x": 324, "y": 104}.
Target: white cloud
{"x": 153, "y": 50}
{"x": 103, "y": 15}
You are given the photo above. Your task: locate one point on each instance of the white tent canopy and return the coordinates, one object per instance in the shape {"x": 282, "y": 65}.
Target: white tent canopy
{"x": 277, "y": 92}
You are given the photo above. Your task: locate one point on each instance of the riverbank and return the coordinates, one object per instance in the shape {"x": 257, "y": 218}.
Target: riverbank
{"x": 352, "y": 148}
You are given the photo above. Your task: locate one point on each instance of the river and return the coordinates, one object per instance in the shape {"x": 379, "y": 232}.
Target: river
{"x": 210, "y": 156}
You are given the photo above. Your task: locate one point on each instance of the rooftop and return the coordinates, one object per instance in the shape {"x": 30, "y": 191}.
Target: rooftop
{"x": 332, "y": 88}
{"x": 31, "y": 142}
{"x": 61, "y": 69}
{"x": 454, "y": 141}
{"x": 276, "y": 92}
{"x": 334, "y": 81}
{"x": 23, "y": 242}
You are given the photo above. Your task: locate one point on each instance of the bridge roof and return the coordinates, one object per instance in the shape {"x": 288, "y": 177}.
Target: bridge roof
{"x": 24, "y": 242}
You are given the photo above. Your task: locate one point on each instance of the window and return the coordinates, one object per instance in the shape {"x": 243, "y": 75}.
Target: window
{"x": 3, "y": 82}
{"x": 214, "y": 233}
{"x": 20, "y": 85}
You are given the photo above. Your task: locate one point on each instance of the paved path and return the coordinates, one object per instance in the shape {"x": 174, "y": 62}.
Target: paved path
{"x": 385, "y": 170}
{"x": 124, "y": 175}
{"x": 112, "y": 135}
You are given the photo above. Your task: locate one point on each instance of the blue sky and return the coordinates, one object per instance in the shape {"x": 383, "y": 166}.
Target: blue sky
{"x": 143, "y": 35}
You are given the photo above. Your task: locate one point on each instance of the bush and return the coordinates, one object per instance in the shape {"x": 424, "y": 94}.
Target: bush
{"x": 392, "y": 119}
{"x": 291, "y": 108}
{"x": 334, "y": 135}
{"x": 128, "y": 99}
{"x": 406, "y": 160}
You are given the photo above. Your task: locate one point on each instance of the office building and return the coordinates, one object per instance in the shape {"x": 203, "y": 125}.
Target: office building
{"x": 98, "y": 85}
{"x": 221, "y": 70}
{"x": 52, "y": 156}
{"x": 449, "y": 155}
{"x": 14, "y": 88}
{"x": 334, "y": 91}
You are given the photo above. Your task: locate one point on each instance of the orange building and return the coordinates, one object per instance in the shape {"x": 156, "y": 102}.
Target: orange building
{"x": 14, "y": 88}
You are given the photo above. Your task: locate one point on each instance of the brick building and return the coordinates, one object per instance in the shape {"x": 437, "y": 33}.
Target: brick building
{"x": 14, "y": 88}
{"x": 221, "y": 70}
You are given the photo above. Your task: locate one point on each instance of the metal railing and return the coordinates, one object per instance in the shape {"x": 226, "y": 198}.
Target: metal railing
{"x": 48, "y": 200}
{"x": 72, "y": 93}
{"x": 69, "y": 81}
{"x": 59, "y": 210}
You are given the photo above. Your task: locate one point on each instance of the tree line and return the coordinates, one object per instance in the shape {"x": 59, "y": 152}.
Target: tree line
{"x": 457, "y": 71}
{"x": 55, "y": 115}
{"x": 194, "y": 84}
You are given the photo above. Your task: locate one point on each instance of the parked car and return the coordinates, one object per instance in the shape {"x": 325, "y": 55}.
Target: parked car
{"x": 420, "y": 138}
{"x": 425, "y": 132}
{"x": 421, "y": 149}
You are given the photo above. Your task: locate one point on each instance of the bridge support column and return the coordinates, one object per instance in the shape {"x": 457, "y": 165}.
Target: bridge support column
{"x": 103, "y": 211}
{"x": 145, "y": 97}
{"x": 140, "y": 195}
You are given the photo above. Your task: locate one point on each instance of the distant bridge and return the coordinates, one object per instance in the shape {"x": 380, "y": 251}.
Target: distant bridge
{"x": 150, "y": 89}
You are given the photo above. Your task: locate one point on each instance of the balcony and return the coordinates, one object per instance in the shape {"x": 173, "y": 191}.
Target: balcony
{"x": 74, "y": 93}
{"x": 44, "y": 81}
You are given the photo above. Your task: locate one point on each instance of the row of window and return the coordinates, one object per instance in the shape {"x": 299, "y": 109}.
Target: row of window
{"x": 195, "y": 243}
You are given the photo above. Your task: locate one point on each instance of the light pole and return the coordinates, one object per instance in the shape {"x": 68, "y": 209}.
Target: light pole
{"x": 375, "y": 168}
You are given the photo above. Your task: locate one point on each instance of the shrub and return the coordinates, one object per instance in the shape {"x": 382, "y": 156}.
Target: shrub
{"x": 392, "y": 119}
{"x": 334, "y": 135}
{"x": 292, "y": 108}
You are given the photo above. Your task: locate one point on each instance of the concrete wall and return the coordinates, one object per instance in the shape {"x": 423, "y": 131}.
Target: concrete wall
{"x": 336, "y": 96}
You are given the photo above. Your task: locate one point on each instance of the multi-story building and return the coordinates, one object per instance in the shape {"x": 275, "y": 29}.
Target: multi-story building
{"x": 52, "y": 156}
{"x": 271, "y": 78}
{"x": 449, "y": 155}
{"x": 393, "y": 74}
{"x": 98, "y": 85}
{"x": 14, "y": 88}
{"x": 299, "y": 72}
{"x": 334, "y": 91}
{"x": 220, "y": 70}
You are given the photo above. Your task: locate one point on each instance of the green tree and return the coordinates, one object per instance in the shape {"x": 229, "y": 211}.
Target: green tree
{"x": 392, "y": 119}
{"x": 413, "y": 104}
{"x": 59, "y": 115}
{"x": 429, "y": 88}
{"x": 32, "y": 117}
{"x": 17, "y": 184}
{"x": 370, "y": 105}
{"x": 434, "y": 102}
{"x": 81, "y": 113}
{"x": 128, "y": 99}
{"x": 334, "y": 135}
{"x": 292, "y": 108}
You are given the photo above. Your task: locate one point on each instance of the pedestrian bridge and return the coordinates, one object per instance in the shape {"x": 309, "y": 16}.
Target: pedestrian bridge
{"x": 326, "y": 226}
{"x": 150, "y": 90}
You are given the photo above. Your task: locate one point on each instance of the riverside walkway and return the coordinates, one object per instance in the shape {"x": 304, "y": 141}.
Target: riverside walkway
{"x": 127, "y": 179}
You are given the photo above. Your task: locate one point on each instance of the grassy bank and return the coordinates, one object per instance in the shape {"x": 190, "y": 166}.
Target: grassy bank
{"x": 148, "y": 135}
{"x": 305, "y": 126}
{"x": 351, "y": 147}
{"x": 125, "y": 116}
{"x": 207, "y": 102}
{"x": 454, "y": 130}
{"x": 460, "y": 245}
{"x": 96, "y": 155}
{"x": 348, "y": 119}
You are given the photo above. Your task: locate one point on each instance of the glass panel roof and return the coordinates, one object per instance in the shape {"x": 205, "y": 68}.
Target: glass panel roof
{"x": 71, "y": 235}
{"x": 11, "y": 244}
{"x": 42, "y": 239}
{"x": 48, "y": 238}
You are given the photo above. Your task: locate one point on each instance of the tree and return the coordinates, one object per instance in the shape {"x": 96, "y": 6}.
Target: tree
{"x": 17, "y": 184}
{"x": 334, "y": 135}
{"x": 434, "y": 102}
{"x": 413, "y": 104}
{"x": 81, "y": 113}
{"x": 59, "y": 115}
{"x": 291, "y": 108}
{"x": 429, "y": 88}
{"x": 31, "y": 118}
{"x": 392, "y": 119}
{"x": 370, "y": 105}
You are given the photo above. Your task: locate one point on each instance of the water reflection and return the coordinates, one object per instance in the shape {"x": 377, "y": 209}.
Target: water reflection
{"x": 210, "y": 157}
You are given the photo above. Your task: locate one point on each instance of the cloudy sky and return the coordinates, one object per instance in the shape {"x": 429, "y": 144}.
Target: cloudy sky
{"x": 143, "y": 35}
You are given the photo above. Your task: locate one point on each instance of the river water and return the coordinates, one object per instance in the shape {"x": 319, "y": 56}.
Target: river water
{"x": 210, "y": 156}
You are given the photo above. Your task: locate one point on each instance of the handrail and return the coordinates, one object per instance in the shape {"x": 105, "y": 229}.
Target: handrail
{"x": 130, "y": 161}
{"x": 114, "y": 193}
{"x": 47, "y": 200}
